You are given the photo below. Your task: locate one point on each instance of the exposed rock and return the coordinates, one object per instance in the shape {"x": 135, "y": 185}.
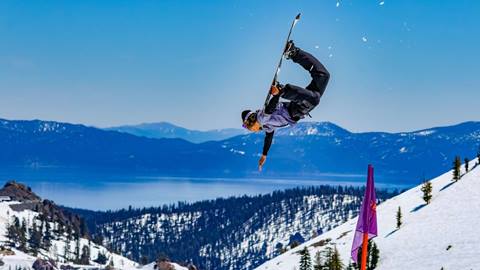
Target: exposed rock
{"x": 163, "y": 264}
{"x": 67, "y": 267}
{"x": 40, "y": 264}
{"x": 19, "y": 192}
{"x": 48, "y": 209}
{"x": 5, "y": 251}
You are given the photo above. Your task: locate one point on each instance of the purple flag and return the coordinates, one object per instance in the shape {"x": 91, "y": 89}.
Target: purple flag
{"x": 367, "y": 219}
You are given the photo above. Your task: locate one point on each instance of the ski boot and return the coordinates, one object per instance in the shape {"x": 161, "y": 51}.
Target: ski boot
{"x": 290, "y": 50}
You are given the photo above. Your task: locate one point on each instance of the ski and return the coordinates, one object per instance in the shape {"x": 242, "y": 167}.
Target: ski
{"x": 277, "y": 71}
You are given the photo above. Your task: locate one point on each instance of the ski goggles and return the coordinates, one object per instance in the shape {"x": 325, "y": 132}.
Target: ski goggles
{"x": 250, "y": 119}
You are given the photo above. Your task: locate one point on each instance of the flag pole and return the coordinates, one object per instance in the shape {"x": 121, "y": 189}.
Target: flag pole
{"x": 365, "y": 233}
{"x": 366, "y": 224}
{"x": 364, "y": 251}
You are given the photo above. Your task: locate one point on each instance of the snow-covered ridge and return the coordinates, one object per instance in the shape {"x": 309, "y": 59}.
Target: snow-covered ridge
{"x": 276, "y": 232}
{"x": 435, "y": 236}
{"x": 233, "y": 233}
{"x": 60, "y": 245}
{"x": 154, "y": 223}
{"x": 35, "y": 126}
{"x": 325, "y": 129}
{"x": 38, "y": 232}
{"x": 425, "y": 132}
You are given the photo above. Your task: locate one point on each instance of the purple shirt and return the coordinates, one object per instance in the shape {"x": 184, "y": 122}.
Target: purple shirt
{"x": 278, "y": 119}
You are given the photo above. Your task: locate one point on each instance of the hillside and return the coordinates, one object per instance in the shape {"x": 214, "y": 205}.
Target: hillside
{"x": 166, "y": 130}
{"x": 37, "y": 231}
{"x": 227, "y": 233}
{"x": 435, "y": 236}
{"x": 308, "y": 150}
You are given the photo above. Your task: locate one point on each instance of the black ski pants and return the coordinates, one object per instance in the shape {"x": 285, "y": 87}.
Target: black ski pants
{"x": 304, "y": 100}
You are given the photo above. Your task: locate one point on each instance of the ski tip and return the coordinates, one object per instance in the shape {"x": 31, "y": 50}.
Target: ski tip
{"x": 298, "y": 16}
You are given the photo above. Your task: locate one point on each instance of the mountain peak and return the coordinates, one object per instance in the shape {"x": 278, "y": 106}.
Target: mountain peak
{"x": 313, "y": 129}
{"x": 28, "y": 200}
{"x": 159, "y": 130}
{"x": 18, "y": 192}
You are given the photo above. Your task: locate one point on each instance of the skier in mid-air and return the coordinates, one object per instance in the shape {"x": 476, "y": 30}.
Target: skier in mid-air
{"x": 301, "y": 100}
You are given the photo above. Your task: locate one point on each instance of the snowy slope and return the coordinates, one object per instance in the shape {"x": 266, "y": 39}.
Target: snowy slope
{"x": 233, "y": 233}
{"x": 451, "y": 219}
{"x": 25, "y": 261}
{"x": 56, "y": 252}
{"x": 19, "y": 260}
{"x": 57, "y": 249}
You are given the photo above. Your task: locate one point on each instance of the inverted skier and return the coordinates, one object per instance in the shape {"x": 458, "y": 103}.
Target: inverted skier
{"x": 301, "y": 101}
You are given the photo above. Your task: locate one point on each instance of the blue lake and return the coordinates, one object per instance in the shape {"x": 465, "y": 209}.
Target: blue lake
{"x": 107, "y": 191}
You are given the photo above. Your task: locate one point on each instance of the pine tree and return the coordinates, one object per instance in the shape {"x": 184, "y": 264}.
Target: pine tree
{"x": 456, "y": 168}
{"x": 13, "y": 230}
{"x": 294, "y": 244}
{"x": 83, "y": 229}
{"x": 35, "y": 239}
{"x": 478, "y": 155}
{"x": 372, "y": 258}
{"x": 399, "y": 217}
{"x": 22, "y": 236}
{"x": 467, "y": 160}
{"x": 332, "y": 259}
{"x": 144, "y": 260}
{"x": 350, "y": 266}
{"x": 427, "y": 191}
{"x": 305, "y": 260}
{"x": 47, "y": 237}
{"x": 318, "y": 261}
{"x": 98, "y": 239}
{"x": 101, "y": 258}
{"x": 335, "y": 263}
{"x": 85, "y": 257}
{"x": 68, "y": 231}
{"x": 77, "y": 250}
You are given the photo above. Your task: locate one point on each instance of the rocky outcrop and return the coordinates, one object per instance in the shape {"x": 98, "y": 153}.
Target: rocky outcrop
{"x": 5, "y": 251}
{"x": 41, "y": 264}
{"x": 48, "y": 209}
{"x": 19, "y": 192}
{"x": 163, "y": 264}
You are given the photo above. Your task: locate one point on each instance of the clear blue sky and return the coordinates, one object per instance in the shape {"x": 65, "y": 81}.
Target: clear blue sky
{"x": 403, "y": 65}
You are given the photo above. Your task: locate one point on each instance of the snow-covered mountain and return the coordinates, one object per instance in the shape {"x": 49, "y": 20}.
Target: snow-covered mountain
{"x": 33, "y": 231}
{"x": 440, "y": 235}
{"x": 308, "y": 149}
{"x": 228, "y": 233}
{"x": 314, "y": 149}
{"x": 168, "y": 130}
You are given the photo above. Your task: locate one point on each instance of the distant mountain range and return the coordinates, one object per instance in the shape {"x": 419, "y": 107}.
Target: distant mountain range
{"x": 167, "y": 130}
{"x": 309, "y": 149}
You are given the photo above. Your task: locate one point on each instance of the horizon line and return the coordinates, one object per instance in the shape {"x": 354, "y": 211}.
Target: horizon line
{"x": 224, "y": 128}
